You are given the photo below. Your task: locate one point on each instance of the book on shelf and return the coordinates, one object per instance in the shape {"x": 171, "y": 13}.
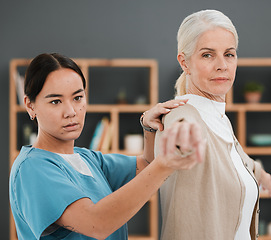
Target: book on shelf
{"x": 19, "y": 82}
{"x": 101, "y": 139}
{"x": 107, "y": 140}
{"x": 106, "y": 123}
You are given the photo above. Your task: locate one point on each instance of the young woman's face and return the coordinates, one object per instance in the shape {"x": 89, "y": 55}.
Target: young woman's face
{"x": 60, "y": 107}
{"x": 213, "y": 65}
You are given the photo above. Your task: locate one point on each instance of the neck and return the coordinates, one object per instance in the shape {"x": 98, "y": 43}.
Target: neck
{"x": 54, "y": 145}
{"x": 197, "y": 91}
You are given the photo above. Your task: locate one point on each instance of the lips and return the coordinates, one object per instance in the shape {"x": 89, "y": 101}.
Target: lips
{"x": 71, "y": 126}
{"x": 220, "y": 79}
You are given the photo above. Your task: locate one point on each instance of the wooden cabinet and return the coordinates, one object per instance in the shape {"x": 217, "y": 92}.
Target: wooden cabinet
{"x": 114, "y": 111}
{"x": 243, "y": 110}
{"x": 265, "y": 237}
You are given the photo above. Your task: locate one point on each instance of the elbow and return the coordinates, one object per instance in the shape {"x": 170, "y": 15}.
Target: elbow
{"x": 101, "y": 232}
{"x": 100, "y": 236}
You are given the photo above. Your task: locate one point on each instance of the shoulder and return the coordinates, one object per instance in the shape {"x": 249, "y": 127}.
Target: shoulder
{"x": 28, "y": 154}
{"x": 32, "y": 159}
{"x": 187, "y": 112}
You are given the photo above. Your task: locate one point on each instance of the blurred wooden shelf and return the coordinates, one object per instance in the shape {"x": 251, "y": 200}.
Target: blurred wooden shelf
{"x": 241, "y": 109}
{"x": 140, "y": 237}
{"x": 264, "y": 194}
{"x": 258, "y": 150}
{"x": 264, "y": 237}
{"x": 249, "y": 107}
{"x": 125, "y": 108}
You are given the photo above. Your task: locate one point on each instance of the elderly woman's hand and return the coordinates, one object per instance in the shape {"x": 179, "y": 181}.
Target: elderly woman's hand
{"x": 152, "y": 118}
{"x": 265, "y": 181}
{"x": 182, "y": 145}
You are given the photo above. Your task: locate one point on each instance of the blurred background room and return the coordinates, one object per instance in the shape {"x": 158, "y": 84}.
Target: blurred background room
{"x": 144, "y": 30}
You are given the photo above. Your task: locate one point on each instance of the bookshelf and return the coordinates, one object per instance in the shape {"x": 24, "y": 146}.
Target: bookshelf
{"x": 242, "y": 110}
{"x": 114, "y": 111}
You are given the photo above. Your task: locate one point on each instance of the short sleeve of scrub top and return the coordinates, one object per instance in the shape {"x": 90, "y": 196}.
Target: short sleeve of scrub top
{"x": 118, "y": 168}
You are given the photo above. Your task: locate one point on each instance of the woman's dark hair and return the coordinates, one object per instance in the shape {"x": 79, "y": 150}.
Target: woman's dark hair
{"x": 41, "y": 66}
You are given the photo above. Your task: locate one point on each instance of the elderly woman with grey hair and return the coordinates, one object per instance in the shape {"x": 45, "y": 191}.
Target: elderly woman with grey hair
{"x": 218, "y": 199}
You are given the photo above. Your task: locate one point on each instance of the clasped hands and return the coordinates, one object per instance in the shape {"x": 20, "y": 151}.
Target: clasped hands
{"x": 182, "y": 146}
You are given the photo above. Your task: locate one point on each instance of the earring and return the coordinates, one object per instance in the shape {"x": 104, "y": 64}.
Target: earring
{"x": 187, "y": 72}
{"x": 32, "y": 118}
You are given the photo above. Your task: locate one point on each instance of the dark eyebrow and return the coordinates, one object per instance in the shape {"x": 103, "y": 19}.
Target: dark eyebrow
{"x": 53, "y": 95}
{"x": 78, "y": 91}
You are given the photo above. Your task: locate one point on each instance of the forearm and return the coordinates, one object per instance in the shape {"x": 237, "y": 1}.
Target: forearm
{"x": 119, "y": 207}
{"x": 110, "y": 213}
{"x": 148, "y": 152}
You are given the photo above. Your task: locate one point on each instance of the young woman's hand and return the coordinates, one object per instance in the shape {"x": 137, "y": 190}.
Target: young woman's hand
{"x": 182, "y": 145}
{"x": 152, "y": 118}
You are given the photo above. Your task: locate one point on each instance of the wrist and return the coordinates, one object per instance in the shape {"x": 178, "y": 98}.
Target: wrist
{"x": 146, "y": 128}
{"x": 159, "y": 161}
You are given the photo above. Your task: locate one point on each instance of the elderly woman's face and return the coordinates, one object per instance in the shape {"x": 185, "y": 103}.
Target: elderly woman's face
{"x": 213, "y": 65}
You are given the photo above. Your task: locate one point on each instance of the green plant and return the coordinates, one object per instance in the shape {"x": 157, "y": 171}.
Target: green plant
{"x": 253, "y": 87}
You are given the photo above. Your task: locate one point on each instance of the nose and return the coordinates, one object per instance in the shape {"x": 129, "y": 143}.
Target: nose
{"x": 69, "y": 111}
{"x": 221, "y": 64}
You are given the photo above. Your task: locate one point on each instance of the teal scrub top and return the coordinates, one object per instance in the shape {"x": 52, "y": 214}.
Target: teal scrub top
{"x": 42, "y": 185}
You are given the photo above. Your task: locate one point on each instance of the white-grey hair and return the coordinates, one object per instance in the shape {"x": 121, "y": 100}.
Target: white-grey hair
{"x": 190, "y": 30}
